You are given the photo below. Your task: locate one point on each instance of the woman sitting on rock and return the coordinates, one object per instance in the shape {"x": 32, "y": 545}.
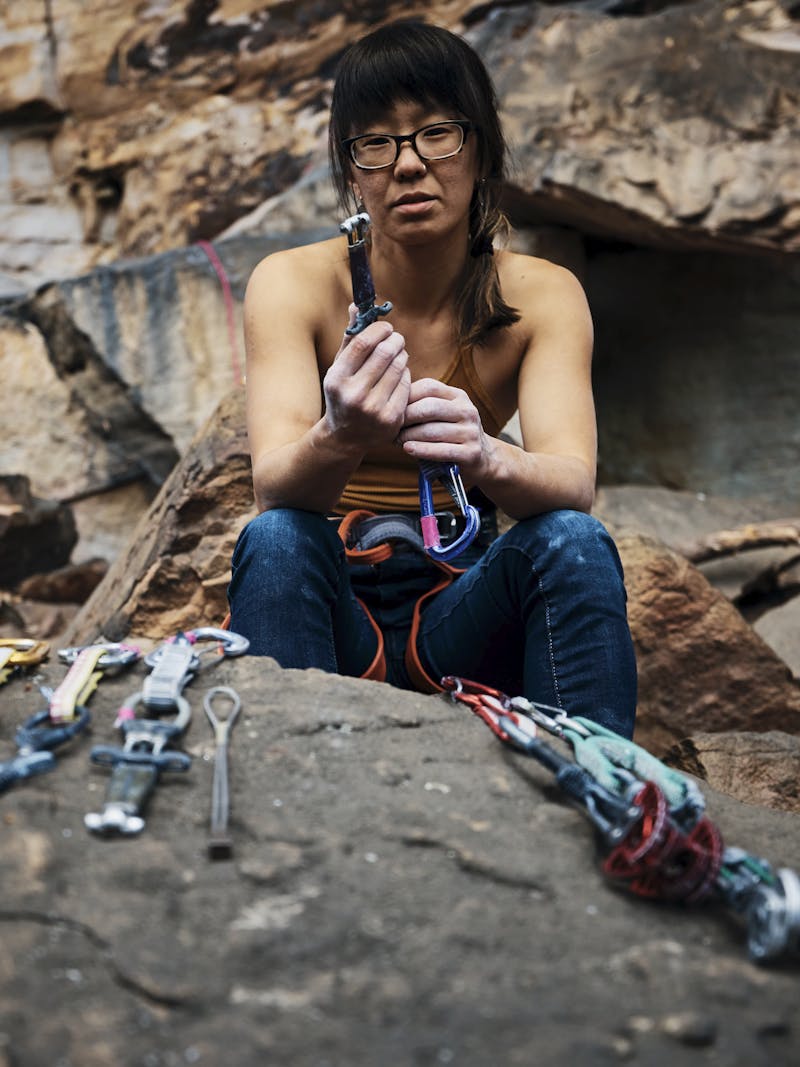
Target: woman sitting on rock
{"x": 338, "y": 425}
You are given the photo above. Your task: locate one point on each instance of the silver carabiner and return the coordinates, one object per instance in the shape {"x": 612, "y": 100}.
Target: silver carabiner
{"x": 233, "y": 644}
{"x": 116, "y": 655}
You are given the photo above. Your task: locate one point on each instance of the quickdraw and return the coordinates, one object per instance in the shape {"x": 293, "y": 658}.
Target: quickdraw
{"x": 87, "y": 665}
{"x": 356, "y": 227}
{"x": 661, "y": 844}
{"x": 36, "y": 739}
{"x": 19, "y": 652}
{"x": 66, "y": 715}
{"x": 137, "y": 765}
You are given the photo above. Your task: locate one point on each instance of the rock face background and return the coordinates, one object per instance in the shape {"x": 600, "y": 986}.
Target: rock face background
{"x": 403, "y": 891}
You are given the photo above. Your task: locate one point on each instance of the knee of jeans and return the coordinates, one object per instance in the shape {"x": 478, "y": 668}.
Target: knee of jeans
{"x": 283, "y": 533}
{"x": 578, "y": 538}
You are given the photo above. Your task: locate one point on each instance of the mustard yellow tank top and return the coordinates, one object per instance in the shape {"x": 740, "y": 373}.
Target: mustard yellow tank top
{"x": 387, "y": 479}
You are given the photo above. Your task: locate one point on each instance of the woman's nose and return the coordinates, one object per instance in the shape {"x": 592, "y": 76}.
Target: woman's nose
{"x": 408, "y": 161}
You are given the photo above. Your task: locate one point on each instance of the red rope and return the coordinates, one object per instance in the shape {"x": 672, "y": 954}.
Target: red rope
{"x": 227, "y": 296}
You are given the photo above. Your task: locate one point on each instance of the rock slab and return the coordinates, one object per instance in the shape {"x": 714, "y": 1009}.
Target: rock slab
{"x": 403, "y": 891}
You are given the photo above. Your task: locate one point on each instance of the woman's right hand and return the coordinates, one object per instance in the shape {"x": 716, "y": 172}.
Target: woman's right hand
{"x": 366, "y": 387}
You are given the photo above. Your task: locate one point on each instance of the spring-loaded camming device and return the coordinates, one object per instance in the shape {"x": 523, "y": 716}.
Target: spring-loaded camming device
{"x": 136, "y": 766}
{"x": 671, "y": 851}
{"x": 356, "y": 228}
{"x": 17, "y": 652}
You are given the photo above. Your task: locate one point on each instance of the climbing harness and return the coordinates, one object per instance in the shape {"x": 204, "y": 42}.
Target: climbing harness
{"x": 220, "y": 844}
{"x": 137, "y": 765}
{"x": 651, "y": 818}
{"x": 19, "y": 652}
{"x": 356, "y": 228}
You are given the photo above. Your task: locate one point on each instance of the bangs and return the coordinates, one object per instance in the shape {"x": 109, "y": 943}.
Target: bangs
{"x": 388, "y": 77}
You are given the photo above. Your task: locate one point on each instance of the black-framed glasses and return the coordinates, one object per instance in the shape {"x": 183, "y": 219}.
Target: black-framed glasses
{"x": 372, "y": 151}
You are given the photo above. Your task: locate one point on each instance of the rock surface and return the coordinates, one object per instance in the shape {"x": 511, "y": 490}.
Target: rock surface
{"x": 131, "y": 131}
{"x": 759, "y": 768}
{"x": 403, "y": 891}
{"x": 35, "y": 535}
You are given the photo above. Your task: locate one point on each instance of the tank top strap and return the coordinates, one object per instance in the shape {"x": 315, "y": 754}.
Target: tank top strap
{"x": 462, "y": 374}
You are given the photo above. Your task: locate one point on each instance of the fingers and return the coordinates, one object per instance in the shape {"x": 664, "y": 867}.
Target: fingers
{"x": 433, "y": 401}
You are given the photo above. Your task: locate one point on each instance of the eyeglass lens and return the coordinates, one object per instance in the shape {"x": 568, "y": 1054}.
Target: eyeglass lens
{"x": 431, "y": 142}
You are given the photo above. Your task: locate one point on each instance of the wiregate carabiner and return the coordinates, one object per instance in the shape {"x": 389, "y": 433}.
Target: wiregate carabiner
{"x": 450, "y": 477}
{"x": 114, "y": 655}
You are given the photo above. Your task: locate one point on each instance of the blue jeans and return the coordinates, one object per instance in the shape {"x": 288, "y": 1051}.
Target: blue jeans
{"x": 540, "y": 612}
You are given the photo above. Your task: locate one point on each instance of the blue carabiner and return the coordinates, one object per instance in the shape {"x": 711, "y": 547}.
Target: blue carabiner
{"x": 448, "y": 474}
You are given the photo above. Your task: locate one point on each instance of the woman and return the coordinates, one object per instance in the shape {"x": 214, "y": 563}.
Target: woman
{"x": 340, "y": 423}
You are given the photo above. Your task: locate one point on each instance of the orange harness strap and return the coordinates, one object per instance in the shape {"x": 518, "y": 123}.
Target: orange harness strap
{"x": 377, "y": 554}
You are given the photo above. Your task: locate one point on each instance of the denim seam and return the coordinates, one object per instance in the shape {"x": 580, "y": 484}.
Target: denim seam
{"x": 547, "y": 615}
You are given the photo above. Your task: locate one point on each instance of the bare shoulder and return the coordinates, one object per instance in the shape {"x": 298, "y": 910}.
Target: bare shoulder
{"x": 297, "y": 269}
{"x": 536, "y": 285}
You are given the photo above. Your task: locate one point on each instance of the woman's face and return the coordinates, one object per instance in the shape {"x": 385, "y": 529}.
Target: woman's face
{"x": 415, "y": 200}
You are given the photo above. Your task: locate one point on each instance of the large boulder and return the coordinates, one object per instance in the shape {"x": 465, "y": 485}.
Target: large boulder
{"x": 757, "y": 768}
{"x": 679, "y": 129}
{"x": 132, "y": 131}
{"x": 402, "y": 891}
{"x": 174, "y": 571}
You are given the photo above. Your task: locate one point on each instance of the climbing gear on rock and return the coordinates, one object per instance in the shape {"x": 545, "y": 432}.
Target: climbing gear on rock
{"x": 220, "y": 845}
{"x": 662, "y": 846}
{"x": 87, "y": 666}
{"x": 356, "y": 227}
{"x": 18, "y": 652}
{"x": 137, "y": 765}
{"x": 36, "y": 739}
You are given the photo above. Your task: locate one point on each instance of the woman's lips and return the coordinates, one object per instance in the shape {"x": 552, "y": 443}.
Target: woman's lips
{"x": 414, "y": 205}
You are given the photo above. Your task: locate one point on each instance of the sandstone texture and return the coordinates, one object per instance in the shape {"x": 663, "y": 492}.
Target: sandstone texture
{"x": 402, "y": 890}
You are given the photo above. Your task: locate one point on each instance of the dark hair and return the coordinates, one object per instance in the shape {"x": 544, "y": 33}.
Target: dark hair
{"x": 412, "y": 61}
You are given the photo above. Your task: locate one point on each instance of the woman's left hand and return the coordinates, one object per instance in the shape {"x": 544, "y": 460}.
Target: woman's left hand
{"x": 442, "y": 425}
